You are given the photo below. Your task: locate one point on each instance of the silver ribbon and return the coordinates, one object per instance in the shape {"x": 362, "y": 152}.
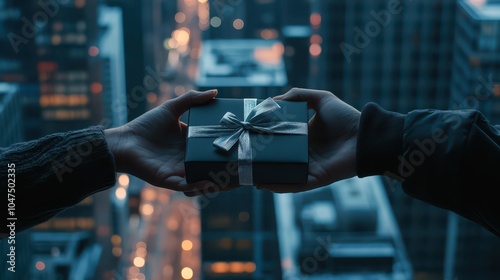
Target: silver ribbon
{"x": 257, "y": 118}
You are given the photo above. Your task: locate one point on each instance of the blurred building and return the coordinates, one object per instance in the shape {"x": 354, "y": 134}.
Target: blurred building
{"x": 10, "y": 115}
{"x": 426, "y": 54}
{"x": 17, "y": 45}
{"x": 18, "y": 62}
{"x": 146, "y": 25}
{"x": 296, "y": 54}
{"x": 267, "y": 20}
{"x": 52, "y": 52}
{"x": 111, "y": 211}
{"x": 398, "y": 54}
{"x": 242, "y": 68}
{"x": 238, "y": 236}
{"x": 67, "y": 65}
{"x": 344, "y": 231}
{"x": 392, "y": 52}
{"x": 244, "y": 19}
{"x": 475, "y": 85}
{"x": 49, "y": 49}
{"x": 12, "y": 132}
{"x": 476, "y": 64}
{"x": 112, "y": 57}
{"x": 297, "y": 35}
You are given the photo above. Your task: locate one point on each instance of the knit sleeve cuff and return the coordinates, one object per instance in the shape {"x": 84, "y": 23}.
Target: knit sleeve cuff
{"x": 95, "y": 170}
{"x": 380, "y": 141}
{"x": 56, "y": 171}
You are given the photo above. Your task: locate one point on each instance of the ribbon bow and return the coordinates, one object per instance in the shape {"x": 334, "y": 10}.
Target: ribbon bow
{"x": 232, "y": 130}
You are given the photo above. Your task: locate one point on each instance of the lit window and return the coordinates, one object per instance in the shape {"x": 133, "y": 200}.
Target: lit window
{"x": 496, "y": 90}
{"x": 238, "y": 24}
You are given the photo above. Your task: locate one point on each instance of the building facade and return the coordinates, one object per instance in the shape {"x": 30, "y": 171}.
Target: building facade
{"x": 476, "y": 64}
{"x": 475, "y": 84}
{"x": 398, "y": 54}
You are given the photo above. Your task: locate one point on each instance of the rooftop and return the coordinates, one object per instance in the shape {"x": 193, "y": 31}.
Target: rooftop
{"x": 6, "y": 90}
{"x": 241, "y": 62}
{"x": 488, "y": 10}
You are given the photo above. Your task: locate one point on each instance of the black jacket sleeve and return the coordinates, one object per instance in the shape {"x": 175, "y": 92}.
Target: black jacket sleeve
{"x": 53, "y": 173}
{"x": 449, "y": 159}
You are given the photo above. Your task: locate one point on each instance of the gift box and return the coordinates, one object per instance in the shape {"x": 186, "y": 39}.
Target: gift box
{"x": 247, "y": 142}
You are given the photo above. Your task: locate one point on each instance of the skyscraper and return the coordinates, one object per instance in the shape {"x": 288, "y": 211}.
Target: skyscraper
{"x": 18, "y": 61}
{"x": 11, "y": 124}
{"x": 296, "y": 34}
{"x": 398, "y": 54}
{"x": 476, "y": 64}
{"x": 392, "y": 52}
{"x": 346, "y": 230}
{"x": 10, "y": 115}
{"x": 68, "y": 66}
{"x": 362, "y": 43}
{"x": 475, "y": 85}
{"x": 50, "y": 50}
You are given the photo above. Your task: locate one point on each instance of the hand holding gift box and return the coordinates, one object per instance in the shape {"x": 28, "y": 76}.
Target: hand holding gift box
{"x": 247, "y": 142}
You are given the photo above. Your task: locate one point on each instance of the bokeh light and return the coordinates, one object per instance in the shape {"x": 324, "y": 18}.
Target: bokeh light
{"x": 187, "y": 273}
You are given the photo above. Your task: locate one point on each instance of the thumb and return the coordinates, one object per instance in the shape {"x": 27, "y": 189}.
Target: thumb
{"x": 189, "y": 99}
{"x": 312, "y": 97}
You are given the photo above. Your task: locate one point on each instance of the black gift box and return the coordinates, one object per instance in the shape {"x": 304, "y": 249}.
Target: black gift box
{"x": 276, "y": 158}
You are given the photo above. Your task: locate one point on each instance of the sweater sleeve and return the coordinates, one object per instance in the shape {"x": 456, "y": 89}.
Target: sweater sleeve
{"x": 53, "y": 173}
{"x": 446, "y": 158}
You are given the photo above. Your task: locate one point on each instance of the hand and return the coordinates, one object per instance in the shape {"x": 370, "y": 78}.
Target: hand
{"x": 333, "y": 133}
{"x": 151, "y": 147}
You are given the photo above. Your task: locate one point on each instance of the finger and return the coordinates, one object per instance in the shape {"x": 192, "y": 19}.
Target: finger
{"x": 279, "y": 97}
{"x": 312, "y": 97}
{"x": 183, "y": 127}
{"x": 181, "y": 104}
{"x": 178, "y": 183}
{"x": 312, "y": 183}
{"x": 211, "y": 189}
{"x": 286, "y": 188}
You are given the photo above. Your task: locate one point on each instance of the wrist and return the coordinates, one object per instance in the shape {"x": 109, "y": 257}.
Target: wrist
{"x": 114, "y": 138}
{"x": 351, "y": 143}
